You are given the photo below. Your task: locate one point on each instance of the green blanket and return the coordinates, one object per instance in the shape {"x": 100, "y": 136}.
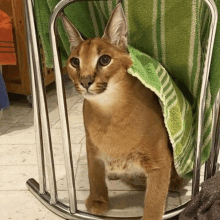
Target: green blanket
{"x": 173, "y": 33}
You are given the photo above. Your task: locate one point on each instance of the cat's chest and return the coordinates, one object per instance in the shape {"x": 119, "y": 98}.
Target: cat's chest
{"x": 113, "y": 137}
{"x": 116, "y": 133}
{"x": 107, "y": 135}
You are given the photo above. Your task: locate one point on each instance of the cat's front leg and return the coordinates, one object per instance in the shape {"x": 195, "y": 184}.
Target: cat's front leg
{"x": 97, "y": 202}
{"x": 158, "y": 180}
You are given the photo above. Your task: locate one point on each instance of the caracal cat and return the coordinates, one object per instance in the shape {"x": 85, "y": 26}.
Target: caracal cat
{"x": 123, "y": 119}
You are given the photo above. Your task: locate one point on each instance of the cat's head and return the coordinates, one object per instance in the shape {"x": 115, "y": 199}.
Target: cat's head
{"x": 96, "y": 65}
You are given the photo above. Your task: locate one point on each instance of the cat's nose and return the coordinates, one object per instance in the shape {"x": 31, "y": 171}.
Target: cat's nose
{"x": 86, "y": 82}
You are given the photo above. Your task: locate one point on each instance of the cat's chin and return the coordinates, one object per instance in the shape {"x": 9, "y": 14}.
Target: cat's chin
{"x": 89, "y": 95}
{"x": 96, "y": 97}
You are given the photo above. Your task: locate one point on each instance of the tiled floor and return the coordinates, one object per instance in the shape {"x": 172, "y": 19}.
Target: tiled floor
{"x": 18, "y": 163}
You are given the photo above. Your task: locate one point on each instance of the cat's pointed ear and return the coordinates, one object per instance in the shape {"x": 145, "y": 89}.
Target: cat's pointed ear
{"x": 74, "y": 36}
{"x": 116, "y": 29}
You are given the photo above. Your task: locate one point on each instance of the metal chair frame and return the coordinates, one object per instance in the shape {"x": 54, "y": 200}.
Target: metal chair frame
{"x": 42, "y": 128}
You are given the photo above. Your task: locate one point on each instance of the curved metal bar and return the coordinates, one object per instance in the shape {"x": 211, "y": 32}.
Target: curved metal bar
{"x": 63, "y": 211}
{"x": 62, "y": 105}
{"x": 210, "y": 166}
{"x": 217, "y": 136}
{"x": 197, "y": 164}
{"x": 62, "y": 101}
{"x": 37, "y": 121}
{"x": 42, "y": 98}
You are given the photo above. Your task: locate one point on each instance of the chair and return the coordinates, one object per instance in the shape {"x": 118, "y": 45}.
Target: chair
{"x": 41, "y": 120}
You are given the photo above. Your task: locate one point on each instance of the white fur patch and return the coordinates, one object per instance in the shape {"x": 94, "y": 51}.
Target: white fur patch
{"x": 121, "y": 165}
{"x": 106, "y": 98}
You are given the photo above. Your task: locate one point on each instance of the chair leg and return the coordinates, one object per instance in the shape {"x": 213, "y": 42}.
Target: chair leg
{"x": 205, "y": 77}
{"x": 217, "y": 136}
{"x": 210, "y": 167}
{"x": 37, "y": 75}
{"x": 37, "y": 119}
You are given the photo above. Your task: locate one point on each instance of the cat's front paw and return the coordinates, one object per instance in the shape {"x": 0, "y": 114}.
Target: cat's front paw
{"x": 98, "y": 207}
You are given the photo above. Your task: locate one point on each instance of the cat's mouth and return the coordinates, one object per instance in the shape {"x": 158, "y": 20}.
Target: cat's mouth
{"x": 94, "y": 91}
{"x": 88, "y": 93}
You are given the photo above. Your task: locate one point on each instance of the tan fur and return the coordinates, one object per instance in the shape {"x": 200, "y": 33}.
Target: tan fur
{"x": 124, "y": 126}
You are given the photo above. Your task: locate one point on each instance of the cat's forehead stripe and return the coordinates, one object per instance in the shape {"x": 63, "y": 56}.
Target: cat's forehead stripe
{"x": 88, "y": 54}
{"x": 77, "y": 51}
{"x": 99, "y": 49}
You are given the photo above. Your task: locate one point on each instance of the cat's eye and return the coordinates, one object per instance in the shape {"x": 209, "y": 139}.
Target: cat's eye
{"x": 74, "y": 62}
{"x": 104, "y": 60}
